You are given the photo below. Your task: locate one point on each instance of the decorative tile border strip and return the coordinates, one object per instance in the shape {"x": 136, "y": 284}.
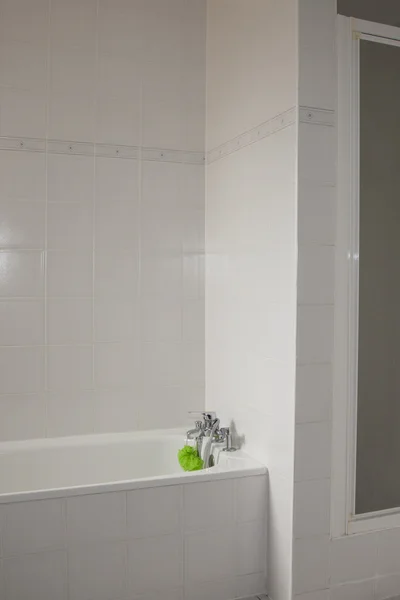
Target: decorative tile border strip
{"x": 29, "y": 144}
{"x": 179, "y": 156}
{"x": 111, "y": 151}
{"x": 317, "y": 116}
{"x": 102, "y": 150}
{"x": 256, "y": 134}
{"x": 61, "y": 147}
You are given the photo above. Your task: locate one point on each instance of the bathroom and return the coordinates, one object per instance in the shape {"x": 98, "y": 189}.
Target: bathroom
{"x": 180, "y": 228}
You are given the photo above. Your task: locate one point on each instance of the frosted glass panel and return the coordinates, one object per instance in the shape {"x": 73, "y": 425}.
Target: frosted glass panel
{"x": 378, "y": 419}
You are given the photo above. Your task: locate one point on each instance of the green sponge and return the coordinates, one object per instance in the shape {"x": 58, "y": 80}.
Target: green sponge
{"x": 189, "y": 459}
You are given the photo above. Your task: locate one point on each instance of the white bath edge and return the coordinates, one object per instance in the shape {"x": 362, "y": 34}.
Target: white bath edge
{"x": 232, "y": 465}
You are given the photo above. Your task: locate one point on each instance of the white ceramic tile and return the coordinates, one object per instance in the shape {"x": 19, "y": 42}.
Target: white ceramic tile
{"x": 69, "y": 367}
{"x": 249, "y": 585}
{"x": 116, "y": 319}
{"x": 362, "y": 590}
{"x": 162, "y": 185}
{"x": 119, "y": 26}
{"x": 312, "y": 508}
{"x": 161, "y": 215}
{"x": 154, "y": 511}
{"x": 317, "y": 154}
{"x": 313, "y": 393}
{"x": 69, "y": 321}
{"x": 24, "y": 21}
{"x": 22, "y": 322}
{"x": 71, "y": 116}
{"x": 14, "y": 362}
{"x": 353, "y": 558}
{"x": 316, "y": 218}
{"x": 116, "y": 181}
{"x": 23, "y": 113}
{"x": 193, "y": 276}
{"x": 313, "y": 451}
{"x": 143, "y": 554}
{"x": 164, "y": 110}
{"x": 160, "y": 319}
{"x": 193, "y": 320}
{"x": 212, "y": 590}
{"x": 97, "y": 571}
{"x": 72, "y": 68}
{"x": 21, "y": 274}
{"x": 118, "y": 76}
{"x": 69, "y": 226}
{"x": 389, "y": 552}
{"x": 96, "y": 518}
{"x": 279, "y": 567}
{"x": 116, "y": 273}
{"x": 161, "y": 363}
{"x": 69, "y": 274}
{"x": 162, "y": 229}
{"x": 116, "y": 410}
{"x": 172, "y": 402}
{"x": 41, "y": 575}
{"x": 311, "y": 564}
{"x": 118, "y": 119}
{"x": 73, "y": 23}
{"x": 30, "y": 187}
{"x": 116, "y": 221}
{"x": 314, "y": 334}
{"x": 316, "y": 275}
{"x": 193, "y": 230}
{"x": 193, "y": 363}
{"x": 251, "y": 498}
{"x": 251, "y": 547}
{"x": 387, "y": 587}
{"x": 176, "y": 594}
{"x": 33, "y": 526}
{"x": 22, "y": 224}
{"x": 22, "y": 417}
{"x": 70, "y": 178}
{"x": 192, "y": 186}
{"x": 280, "y": 496}
{"x": 208, "y": 505}
{"x": 317, "y": 75}
{"x": 319, "y": 595}
{"x": 117, "y": 204}
{"x": 115, "y": 364}
{"x": 70, "y": 413}
{"x": 23, "y": 66}
{"x": 209, "y": 555}
{"x": 161, "y": 275}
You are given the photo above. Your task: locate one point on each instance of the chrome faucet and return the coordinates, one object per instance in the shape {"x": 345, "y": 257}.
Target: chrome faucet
{"x": 206, "y": 432}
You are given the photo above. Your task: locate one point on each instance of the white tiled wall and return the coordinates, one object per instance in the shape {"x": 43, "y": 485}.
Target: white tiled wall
{"x": 313, "y": 551}
{"x": 251, "y": 246}
{"x": 358, "y": 567}
{"x": 101, "y": 279}
{"x": 148, "y": 543}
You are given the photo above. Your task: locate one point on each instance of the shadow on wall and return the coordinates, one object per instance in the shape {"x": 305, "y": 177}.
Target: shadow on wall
{"x": 238, "y": 440}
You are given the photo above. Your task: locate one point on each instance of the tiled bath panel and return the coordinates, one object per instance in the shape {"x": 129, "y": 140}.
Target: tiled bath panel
{"x": 173, "y": 542}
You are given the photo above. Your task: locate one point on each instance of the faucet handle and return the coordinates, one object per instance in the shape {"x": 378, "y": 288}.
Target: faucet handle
{"x": 207, "y": 415}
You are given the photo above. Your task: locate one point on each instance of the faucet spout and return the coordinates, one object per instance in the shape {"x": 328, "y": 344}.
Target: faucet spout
{"x": 207, "y": 443}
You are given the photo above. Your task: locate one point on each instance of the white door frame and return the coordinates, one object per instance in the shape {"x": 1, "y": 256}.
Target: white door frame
{"x": 344, "y": 521}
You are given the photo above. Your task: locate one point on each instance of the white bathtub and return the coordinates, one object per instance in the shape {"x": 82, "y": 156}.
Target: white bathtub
{"x": 113, "y": 517}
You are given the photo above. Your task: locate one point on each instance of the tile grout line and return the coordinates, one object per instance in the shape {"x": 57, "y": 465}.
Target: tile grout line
{"x": 45, "y": 255}
{"x": 94, "y": 193}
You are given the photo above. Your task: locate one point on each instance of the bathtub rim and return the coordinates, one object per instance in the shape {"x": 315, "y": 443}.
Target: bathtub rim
{"x": 233, "y": 465}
